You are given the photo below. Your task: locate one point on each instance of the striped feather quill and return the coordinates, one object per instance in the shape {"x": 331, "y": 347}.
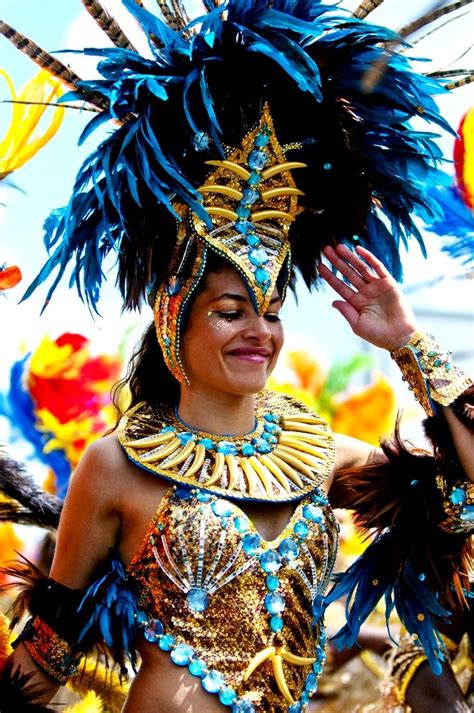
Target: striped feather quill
{"x": 107, "y": 24}
{"x": 365, "y": 8}
{"x": 169, "y": 16}
{"x": 50, "y": 63}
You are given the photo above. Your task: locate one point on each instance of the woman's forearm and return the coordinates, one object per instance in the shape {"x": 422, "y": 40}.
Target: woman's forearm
{"x": 24, "y": 683}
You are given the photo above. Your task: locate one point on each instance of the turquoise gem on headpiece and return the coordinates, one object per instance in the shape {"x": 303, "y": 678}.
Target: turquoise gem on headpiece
{"x": 253, "y": 240}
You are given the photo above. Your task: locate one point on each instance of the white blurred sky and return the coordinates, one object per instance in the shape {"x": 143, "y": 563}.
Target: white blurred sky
{"x": 46, "y": 182}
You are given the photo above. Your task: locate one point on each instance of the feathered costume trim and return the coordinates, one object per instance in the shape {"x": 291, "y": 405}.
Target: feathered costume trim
{"x": 178, "y": 109}
{"x": 108, "y": 612}
{"x": 416, "y": 567}
{"x": 27, "y": 503}
{"x": 101, "y": 621}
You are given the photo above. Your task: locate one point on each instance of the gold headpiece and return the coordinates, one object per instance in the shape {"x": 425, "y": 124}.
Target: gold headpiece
{"x": 251, "y": 199}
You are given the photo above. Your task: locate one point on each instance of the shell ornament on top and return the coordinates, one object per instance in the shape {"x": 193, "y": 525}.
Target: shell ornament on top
{"x": 290, "y": 452}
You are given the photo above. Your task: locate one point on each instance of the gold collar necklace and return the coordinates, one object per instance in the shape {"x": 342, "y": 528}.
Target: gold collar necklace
{"x": 290, "y": 452}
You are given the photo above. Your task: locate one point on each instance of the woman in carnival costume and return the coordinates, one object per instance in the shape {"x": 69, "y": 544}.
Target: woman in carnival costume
{"x": 200, "y": 533}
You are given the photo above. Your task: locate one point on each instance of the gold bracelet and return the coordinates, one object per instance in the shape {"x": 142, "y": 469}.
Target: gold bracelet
{"x": 458, "y": 504}
{"x": 54, "y": 655}
{"x": 408, "y": 676}
{"x": 430, "y": 372}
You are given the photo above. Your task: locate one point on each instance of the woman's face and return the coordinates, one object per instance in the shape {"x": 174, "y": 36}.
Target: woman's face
{"x": 226, "y": 346}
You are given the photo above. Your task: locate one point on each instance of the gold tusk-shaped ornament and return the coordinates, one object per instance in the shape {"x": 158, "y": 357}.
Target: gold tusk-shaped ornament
{"x": 258, "y": 659}
{"x": 280, "y": 167}
{"x": 262, "y": 473}
{"x": 182, "y": 455}
{"x": 308, "y": 437}
{"x": 233, "y": 469}
{"x": 199, "y": 456}
{"x": 260, "y": 215}
{"x": 231, "y": 166}
{"x": 163, "y": 453}
{"x": 217, "y": 470}
{"x": 251, "y": 475}
{"x": 305, "y": 428}
{"x": 294, "y": 418}
{"x": 304, "y": 458}
{"x": 293, "y": 659}
{"x": 301, "y": 445}
{"x": 150, "y": 441}
{"x": 278, "y": 672}
{"x": 294, "y": 459}
{"x": 287, "y": 469}
{"x": 225, "y": 190}
{"x": 277, "y": 472}
{"x": 280, "y": 191}
{"x": 222, "y": 212}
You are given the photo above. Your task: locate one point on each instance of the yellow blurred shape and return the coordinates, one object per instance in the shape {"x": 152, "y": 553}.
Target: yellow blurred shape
{"x": 91, "y": 703}
{"x": 368, "y": 414}
{"x": 24, "y": 138}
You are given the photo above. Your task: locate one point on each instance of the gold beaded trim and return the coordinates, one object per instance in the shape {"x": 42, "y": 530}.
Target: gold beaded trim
{"x": 299, "y": 457}
{"x": 458, "y": 504}
{"x": 54, "y": 655}
{"x": 408, "y": 676}
{"x": 430, "y": 372}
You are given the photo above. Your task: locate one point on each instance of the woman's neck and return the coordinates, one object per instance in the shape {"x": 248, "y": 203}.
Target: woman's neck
{"x": 222, "y": 414}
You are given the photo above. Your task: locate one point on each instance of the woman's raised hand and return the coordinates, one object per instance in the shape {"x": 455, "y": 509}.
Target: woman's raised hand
{"x": 372, "y": 301}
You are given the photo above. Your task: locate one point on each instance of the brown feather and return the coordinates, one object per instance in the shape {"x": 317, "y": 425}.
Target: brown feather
{"x": 48, "y": 62}
{"x": 365, "y": 8}
{"x": 402, "y": 492}
{"x": 107, "y": 24}
{"x": 460, "y": 82}
{"x": 28, "y": 579}
{"x": 168, "y": 15}
{"x": 431, "y": 16}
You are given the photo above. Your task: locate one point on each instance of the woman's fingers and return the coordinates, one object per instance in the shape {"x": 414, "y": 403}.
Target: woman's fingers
{"x": 378, "y": 267}
{"x": 344, "y": 267}
{"x": 358, "y": 267}
{"x": 346, "y": 292}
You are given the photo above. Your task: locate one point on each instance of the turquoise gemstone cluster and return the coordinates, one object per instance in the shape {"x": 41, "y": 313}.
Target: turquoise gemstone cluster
{"x": 458, "y": 497}
{"x": 264, "y": 443}
{"x": 257, "y": 255}
{"x": 184, "y": 655}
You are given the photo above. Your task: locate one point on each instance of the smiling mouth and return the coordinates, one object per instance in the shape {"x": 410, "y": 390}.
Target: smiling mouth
{"x": 253, "y": 356}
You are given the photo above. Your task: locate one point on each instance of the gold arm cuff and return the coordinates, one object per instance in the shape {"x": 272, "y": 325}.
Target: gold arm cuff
{"x": 408, "y": 677}
{"x": 430, "y": 372}
{"x": 458, "y": 504}
{"x": 54, "y": 655}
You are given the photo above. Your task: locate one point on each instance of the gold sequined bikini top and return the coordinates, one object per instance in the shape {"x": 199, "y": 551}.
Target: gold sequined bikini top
{"x": 240, "y": 613}
{"x": 290, "y": 452}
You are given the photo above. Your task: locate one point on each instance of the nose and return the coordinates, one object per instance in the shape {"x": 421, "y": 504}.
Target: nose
{"x": 257, "y": 328}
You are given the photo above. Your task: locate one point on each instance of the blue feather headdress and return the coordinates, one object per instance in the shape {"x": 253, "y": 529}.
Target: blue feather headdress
{"x": 200, "y": 90}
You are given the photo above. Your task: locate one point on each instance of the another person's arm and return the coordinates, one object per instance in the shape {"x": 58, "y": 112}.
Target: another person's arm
{"x": 89, "y": 527}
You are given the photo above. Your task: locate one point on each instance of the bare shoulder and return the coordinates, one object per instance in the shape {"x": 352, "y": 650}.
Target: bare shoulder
{"x": 102, "y": 470}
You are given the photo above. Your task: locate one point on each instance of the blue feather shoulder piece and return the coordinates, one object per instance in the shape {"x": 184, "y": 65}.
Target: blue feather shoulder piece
{"x": 109, "y": 610}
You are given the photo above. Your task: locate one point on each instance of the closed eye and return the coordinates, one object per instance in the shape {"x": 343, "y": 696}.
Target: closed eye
{"x": 230, "y": 315}
{"x": 272, "y": 317}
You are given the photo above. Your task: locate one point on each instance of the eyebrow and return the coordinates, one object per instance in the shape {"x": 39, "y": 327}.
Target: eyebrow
{"x": 241, "y": 298}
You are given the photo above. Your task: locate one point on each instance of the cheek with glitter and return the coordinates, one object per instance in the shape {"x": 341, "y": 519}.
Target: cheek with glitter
{"x": 218, "y": 323}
